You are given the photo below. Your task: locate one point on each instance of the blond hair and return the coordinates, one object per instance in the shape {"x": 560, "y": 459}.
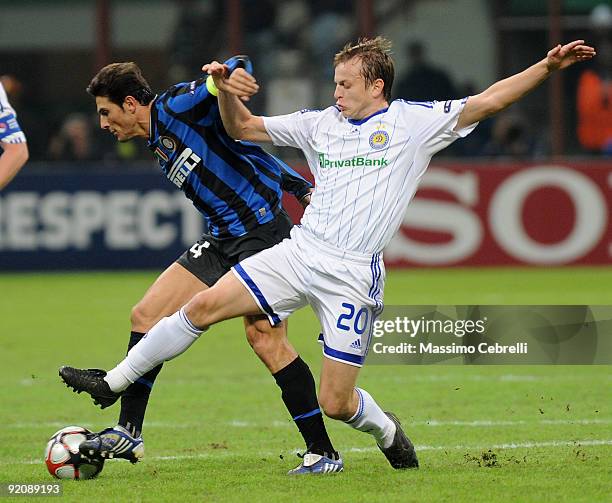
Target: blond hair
{"x": 376, "y": 61}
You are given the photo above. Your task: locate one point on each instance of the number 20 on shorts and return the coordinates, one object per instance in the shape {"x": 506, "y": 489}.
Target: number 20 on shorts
{"x": 351, "y": 319}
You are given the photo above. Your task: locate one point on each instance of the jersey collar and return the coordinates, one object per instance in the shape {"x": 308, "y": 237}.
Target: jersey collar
{"x": 153, "y": 121}
{"x": 359, "y": 122}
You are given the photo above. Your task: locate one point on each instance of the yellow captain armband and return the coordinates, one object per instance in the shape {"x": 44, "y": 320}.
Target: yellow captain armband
{"x": 210, "y": 85}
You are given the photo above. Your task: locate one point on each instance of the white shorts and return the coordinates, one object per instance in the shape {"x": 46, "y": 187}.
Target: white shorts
{"x": 345, "y": 290}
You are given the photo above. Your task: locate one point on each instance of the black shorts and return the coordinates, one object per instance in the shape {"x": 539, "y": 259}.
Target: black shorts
{"x": 210, "y": 258}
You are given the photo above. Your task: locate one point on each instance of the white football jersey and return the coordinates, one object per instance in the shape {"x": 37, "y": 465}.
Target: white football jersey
{"x": 10, "y": 132}
{"x": 366, "y": 172}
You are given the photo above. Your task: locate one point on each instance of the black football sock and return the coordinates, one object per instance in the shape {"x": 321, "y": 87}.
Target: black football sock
{"x": 300, "y": 397}
{"x": 136, "y": 396}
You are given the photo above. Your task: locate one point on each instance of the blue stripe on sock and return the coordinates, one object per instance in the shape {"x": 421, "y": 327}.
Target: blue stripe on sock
{"x": 361, "y": 403}
{"x": 307, "y": 414}
{"x": 145, "y": 382}
{"x": 187, "y": 322}
{"x": 359, "y": 412}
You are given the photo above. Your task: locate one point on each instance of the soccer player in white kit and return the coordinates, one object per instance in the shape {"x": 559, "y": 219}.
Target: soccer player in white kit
{"x": 12, "y": 142}
{"x": 367, "y": 154}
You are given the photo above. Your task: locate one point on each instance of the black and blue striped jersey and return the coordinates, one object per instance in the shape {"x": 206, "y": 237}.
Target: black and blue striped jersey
{"x": 236, "y": 185}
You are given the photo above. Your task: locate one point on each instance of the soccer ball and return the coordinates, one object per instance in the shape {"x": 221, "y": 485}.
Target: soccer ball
{"x": 63, "y": 459}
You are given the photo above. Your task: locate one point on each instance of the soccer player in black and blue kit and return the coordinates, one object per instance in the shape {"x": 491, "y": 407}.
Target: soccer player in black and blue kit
{"x": 237, "y": 187}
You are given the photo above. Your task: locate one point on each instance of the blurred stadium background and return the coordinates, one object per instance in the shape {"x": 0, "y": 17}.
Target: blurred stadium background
{"x": 528, "y": 191}
{"x": 530, "y": 187}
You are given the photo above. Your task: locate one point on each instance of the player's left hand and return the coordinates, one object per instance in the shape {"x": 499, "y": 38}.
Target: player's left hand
{"x": 562, "y": 56}
{"x": 239, "y": 83}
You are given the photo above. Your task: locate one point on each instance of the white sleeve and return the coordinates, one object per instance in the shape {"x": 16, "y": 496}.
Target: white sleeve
{"x": 435, "y": 121}
{"x": 291, "y": 130}
{"x": 10, "y": 132}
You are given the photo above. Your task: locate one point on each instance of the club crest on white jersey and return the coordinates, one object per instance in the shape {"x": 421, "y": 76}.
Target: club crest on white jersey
{"x": 379, "y": 139}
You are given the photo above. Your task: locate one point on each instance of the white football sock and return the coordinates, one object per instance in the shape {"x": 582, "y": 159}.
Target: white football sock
{"x": 371, "y": 419}
{"x": 170, "y": 337}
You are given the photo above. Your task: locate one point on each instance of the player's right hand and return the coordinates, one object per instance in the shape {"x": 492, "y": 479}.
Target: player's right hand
{"x": 240, "y": 83}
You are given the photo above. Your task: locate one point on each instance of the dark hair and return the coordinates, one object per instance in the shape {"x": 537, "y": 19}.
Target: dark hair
{"x": 376, "y": 61}
{"x": 118, "y": 80}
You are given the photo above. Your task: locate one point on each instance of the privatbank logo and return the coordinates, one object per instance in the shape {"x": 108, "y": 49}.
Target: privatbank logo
{"x": 379, "y": 139}
{"x": 326, "y": 162}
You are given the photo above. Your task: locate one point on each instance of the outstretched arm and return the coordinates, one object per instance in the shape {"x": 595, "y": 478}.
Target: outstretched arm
{"x": 505, "y": 92}
{"x": 238, "y": 120}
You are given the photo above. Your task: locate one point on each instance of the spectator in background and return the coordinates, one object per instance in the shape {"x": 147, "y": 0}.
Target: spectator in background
{"x": 261, "y": 39}
{"x": 292, "y": 23}
{"x": 74, "y": 141}
{"x": 594, "y": 95}
{"x": 78, "y": 141}
{"x": 332, "y": 24}
{"x": 510, "y": 137}
{"x": 199, "y": 35}
{"x": 289, "y": 88}
{"x": 424, "y": 81}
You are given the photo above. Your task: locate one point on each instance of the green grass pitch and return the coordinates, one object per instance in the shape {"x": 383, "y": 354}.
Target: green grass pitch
{"x": 216, "y": 429}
